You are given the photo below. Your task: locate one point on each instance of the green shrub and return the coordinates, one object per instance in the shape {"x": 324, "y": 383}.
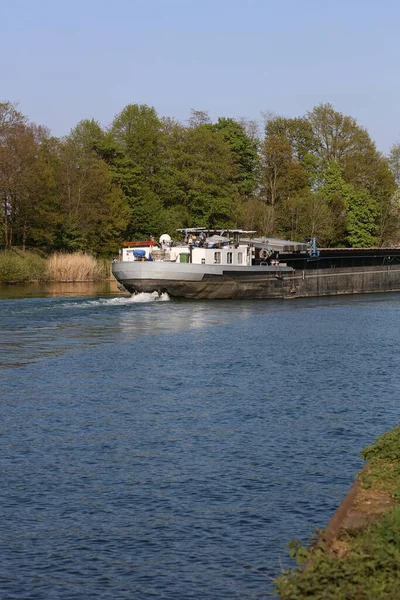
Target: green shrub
{"x": 384, "y": 464}
{"x": 386, "y": 447}
{"x": 370, "y": 570}
{"x": 19, "y": 268}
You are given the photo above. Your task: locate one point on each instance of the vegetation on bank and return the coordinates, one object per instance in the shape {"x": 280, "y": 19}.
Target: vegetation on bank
{"x": 77, "y": 267}
{"x": 362, "y": 563}
{"x": 319, "y": 174}
{"x": 19, "y": 267}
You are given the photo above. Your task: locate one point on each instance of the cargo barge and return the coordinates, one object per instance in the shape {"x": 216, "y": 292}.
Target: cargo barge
{"x": 225, "y": 264}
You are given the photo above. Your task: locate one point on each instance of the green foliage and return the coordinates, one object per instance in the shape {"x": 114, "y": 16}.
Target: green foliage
{"x": 94, "y": 209}
{"x": 336, "y": 194}
{"x": 383, "y": 476}
{"x": 123, "y": 170}
{"x": 306, "y": 215}
{"x": 370, "y": 570}
{"x": 259, "y": 216}
{"x": 299, "y": 134}
{"x": 317, "y": 175}
{"x": 40, "y": 213}
{"x": 135, "y": 156}
{"x": 341, "y": 165}
{"x": 335, "y": 134}
{"x": 362, "y": 220}
{"x": 385, "y": 447}
{"x": 244, "y": 154}
{"x": 389, "y": 220}
{"x": 197, "y": 181}
{"x": 339, "y": 138}
{"x": 281, "y": 175}
{"x": 207, "y": 168}
{"x": 138, "y": 131}
{"x": 16, "y": 267}
{"x": 86, "y": 135}
{"x": 70, "y": 237}
{"x": 383, "y": 464}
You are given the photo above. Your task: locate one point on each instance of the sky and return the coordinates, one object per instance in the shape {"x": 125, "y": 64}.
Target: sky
{"x": 67, "y": 60}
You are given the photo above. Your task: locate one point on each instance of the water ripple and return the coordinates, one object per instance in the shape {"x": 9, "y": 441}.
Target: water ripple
{"x": 172, "y": 449}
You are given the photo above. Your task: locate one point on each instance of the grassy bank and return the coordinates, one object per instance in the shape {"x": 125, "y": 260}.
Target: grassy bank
{"x": 362, "y": 563}
{"x": 18, "y": 267}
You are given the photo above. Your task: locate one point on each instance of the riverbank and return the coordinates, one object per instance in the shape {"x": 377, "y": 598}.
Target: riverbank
{"x": 358, "y": 554}
{"x": 23, "y": 267}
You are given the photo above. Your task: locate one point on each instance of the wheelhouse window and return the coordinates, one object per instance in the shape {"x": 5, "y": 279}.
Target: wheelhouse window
{"x": 240, "y": 258}
{"x": 217, "y": 258}
{"x": 229, "y": 258}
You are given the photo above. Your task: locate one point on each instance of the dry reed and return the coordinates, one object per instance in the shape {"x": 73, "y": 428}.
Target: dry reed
{"x": 76, "y": 267}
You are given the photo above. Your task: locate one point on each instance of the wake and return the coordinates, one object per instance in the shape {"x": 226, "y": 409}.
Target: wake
{"x": 122, "y": 300}
{"x": 149, "y": 297}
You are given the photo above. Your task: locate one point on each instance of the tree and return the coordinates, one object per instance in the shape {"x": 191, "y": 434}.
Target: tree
{"x": 252, "y": 130}
{"x": 95, "y": 212}
{"x": 199, "y": 117}
{"x": 244, "y": 155}
{"x": 298, "y": 132}
{"x": 258, "y": 216}
{"x": 336, "y": 135}
{"x": 14, "y": 165}
{"x": 281, "y": 175}
{"x": 27, "y": 186}
{"x": 339, "y": 138}
{"x": 138, "y": 133}
{"x": 335, "y": 193}
{"x": 354, "y": 212}
{"x": 172, "y": 183}
{"x": 86, "y": 135}
{"x": 320, "y": 175}
{"x": 362, "y": 219}
{"x": 40, "y": 213}
{"x": 206, "y": 173}
{"x": 305, "y": 215}
{"x": 394, "y": 162}
{"x": 145, "y": 206}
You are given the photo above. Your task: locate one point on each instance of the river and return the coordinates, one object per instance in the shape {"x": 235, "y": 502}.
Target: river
{"x": 172, "y": 449}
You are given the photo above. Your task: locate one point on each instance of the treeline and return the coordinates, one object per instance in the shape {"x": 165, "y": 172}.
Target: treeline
{"x": 317, "y": 175}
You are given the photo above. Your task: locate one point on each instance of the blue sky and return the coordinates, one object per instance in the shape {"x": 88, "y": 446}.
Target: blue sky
{"x": 65, "y": 60}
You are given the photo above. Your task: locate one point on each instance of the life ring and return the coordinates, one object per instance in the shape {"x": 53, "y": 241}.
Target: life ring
{"x": 264, "y": 253}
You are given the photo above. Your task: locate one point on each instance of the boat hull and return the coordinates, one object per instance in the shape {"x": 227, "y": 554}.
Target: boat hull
{"x": 202, "y": 281}
{"x": 253, "y": 282}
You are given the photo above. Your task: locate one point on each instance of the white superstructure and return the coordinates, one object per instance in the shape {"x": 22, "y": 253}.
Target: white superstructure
{"x": 198, "y": 249}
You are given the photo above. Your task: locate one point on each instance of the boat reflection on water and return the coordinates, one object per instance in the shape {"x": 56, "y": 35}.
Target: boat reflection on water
{"x": 152, "y": 315}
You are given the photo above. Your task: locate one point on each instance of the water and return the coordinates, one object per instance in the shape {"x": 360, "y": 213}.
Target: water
{"x": 171, "y": 449}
